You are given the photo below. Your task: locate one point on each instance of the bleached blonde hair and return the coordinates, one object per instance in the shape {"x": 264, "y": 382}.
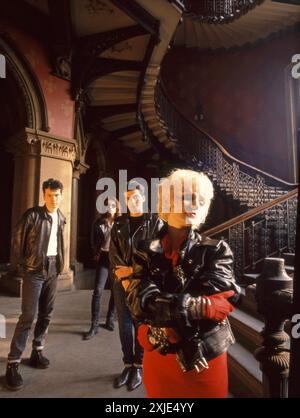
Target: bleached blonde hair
{"x": 178, "y": 182}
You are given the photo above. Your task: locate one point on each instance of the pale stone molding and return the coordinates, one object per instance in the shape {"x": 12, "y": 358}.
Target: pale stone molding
{"x": 39, "y": 143}
{"x": 79, "y": 169}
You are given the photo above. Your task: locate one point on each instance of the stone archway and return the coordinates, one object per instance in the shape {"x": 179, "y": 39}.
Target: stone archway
{"x": 26, "y": 108}
{"x": 37, "y": 154}
{"x": 14, "y": 117}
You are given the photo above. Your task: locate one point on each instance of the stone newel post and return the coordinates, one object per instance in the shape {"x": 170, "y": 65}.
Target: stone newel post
{"x": 274, "y": 298}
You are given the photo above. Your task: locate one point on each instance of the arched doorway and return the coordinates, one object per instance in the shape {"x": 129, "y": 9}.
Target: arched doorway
{"x": 13, "y": 118}
{"x": 22, "y": 106}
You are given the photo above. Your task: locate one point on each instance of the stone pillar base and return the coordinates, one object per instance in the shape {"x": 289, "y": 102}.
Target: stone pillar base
{"x": 77, "y": 267}
{"x": 65, "y": 281}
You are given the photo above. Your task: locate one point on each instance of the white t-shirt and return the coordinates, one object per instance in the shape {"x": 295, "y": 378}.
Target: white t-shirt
{"x": 52, "y": 246}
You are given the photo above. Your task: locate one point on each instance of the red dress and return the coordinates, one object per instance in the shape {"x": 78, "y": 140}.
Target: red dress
{"x": 162, "y": 375}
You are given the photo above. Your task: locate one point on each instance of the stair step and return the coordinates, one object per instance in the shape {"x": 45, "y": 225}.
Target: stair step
{"x": 245, "y": 377}
{"x": 289, "y": 258}
{"x": 290, "y": 270}
{"x": 248, "y": 302}
{"x": 246, "y": 329}
{"x": 250, "y": 278}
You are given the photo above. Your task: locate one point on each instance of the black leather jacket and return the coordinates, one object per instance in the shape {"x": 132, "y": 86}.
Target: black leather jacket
{"x": 31, "y": 237}
{"x": 100, "y": 233}
{"x": 205, "y": 268}
{"x": 123, "y": 247}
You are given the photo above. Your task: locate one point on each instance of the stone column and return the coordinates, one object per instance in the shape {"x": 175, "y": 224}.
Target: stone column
{"x": 79, "y": 169}
{"x": 38, "y": 156}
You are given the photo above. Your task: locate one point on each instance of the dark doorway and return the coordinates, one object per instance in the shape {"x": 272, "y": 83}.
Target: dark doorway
{"x": 13, "y": 117}
{"x": 87, "y": 209}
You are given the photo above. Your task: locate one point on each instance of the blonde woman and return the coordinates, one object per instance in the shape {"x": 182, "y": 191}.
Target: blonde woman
{"x": 182, "y": 290}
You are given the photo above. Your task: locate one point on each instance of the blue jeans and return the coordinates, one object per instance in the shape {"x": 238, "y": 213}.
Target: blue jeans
{"x": 102, "y": 278}
{"x": 38, "y": 296}
{"x": 132, "y": 351}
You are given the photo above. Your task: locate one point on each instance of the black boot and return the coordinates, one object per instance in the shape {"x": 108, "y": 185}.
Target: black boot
{"x": 135, "y": 378}
{"x": 123, "y": 378}
{"x": 38, "y": 361}
{"x": 13, "y": 379}
{"x": 91, "y": 333}
{"x": 109, "y": 324}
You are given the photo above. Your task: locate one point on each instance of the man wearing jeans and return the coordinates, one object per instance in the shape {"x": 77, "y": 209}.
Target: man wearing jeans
{"x": 38, "y": 248}
{"x": 126, "y": 234}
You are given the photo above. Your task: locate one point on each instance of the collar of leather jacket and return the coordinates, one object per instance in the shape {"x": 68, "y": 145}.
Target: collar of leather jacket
{"x": 194, "y": 238}
{"x": 44, "y": 214}
{"x": 125, "y": 218}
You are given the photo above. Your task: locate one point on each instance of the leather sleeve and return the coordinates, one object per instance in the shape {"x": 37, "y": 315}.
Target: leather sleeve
{"x": 97, "y": 238}
{"x": 148, "y": 304}
{"x": 115, "y": 258}
{"x": 218, "y": 274}
{"x": 20, "y": 232}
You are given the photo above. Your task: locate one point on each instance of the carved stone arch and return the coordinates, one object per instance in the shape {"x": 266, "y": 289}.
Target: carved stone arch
{"x": 34, "y": 101}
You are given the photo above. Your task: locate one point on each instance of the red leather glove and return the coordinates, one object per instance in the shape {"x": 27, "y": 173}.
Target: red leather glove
{"x": 214, "y": 307}
{"x": 217, "y": 306}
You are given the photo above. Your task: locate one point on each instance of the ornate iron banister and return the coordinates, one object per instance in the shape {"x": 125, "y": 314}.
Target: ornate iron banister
{"x": 248, "y": 215}
{"x": 207, "y": 153}
{"x": 219, "y": 11}
{"x": 268, "y": 231}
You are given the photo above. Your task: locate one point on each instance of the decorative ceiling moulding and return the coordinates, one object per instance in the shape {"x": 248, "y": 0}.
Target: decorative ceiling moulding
{"x": 88, "y": 48}
{"x": 98, "y": 6}
{"x": 140, "y": 15}
{"x": 34, "y": 101}
{"x": 96, "y": 43}
{"x": 219, "y": 11}
{"x": 104, "y": 66}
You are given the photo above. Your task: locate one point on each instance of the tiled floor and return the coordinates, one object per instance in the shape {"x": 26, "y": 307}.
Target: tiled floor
{"x": 78, "y": 368}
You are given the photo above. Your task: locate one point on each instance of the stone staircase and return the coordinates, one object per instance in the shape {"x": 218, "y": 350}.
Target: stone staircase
{"x": 259, "y": 23}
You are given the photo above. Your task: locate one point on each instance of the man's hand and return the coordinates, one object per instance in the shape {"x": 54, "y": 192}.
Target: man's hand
{"x": 122, "y": 272}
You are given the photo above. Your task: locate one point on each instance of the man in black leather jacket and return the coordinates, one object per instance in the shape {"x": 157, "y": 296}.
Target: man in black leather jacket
{"x": 38, "y": 252}
{"x": 127, "y": 232}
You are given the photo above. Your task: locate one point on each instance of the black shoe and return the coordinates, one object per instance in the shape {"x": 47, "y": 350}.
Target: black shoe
{"x": 109, "y": 324}
{"x": 38, "y": 361}
{"x": 91, "y": 333}
{"x": 13, "y": 379}
{"x": 135, "y": 378}
{"x": 123, "y": 378}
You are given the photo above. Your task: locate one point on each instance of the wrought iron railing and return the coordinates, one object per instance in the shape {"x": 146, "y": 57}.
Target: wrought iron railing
{"x": 247, "y": 184}
{"x": 219, "y": 11}
{"x": 268, "y": 231}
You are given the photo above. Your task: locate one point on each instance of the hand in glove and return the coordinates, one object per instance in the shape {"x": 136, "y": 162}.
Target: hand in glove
{"x": 215, "y": 307}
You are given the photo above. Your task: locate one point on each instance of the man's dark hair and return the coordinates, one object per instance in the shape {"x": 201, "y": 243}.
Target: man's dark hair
{"x": 52, "y": 184}
{"x": 135, "y": 185}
